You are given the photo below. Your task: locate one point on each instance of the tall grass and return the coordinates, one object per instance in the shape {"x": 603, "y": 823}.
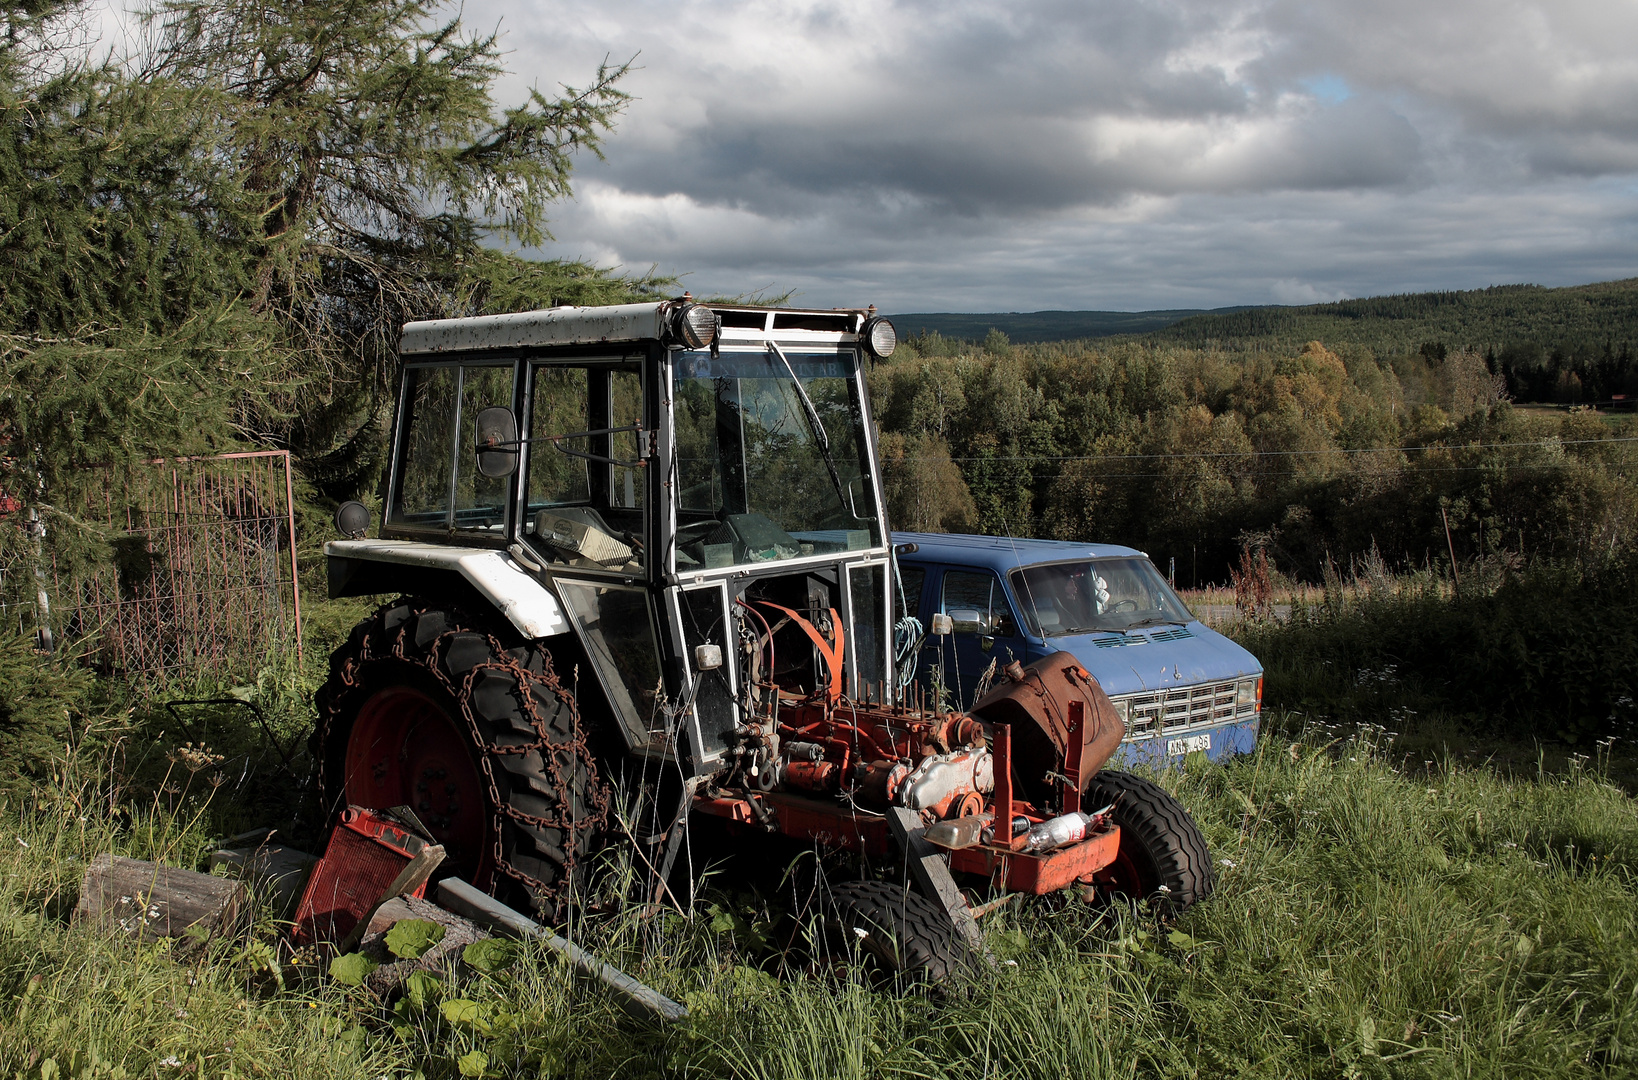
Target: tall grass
{"x": 1375, "y": 917}
{"x": 1548, "y": 653}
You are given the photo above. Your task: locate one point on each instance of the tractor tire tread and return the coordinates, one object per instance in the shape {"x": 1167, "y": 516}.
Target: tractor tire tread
{"x": 456, "y": 644}
{"x": 906, "y": 933}
{"x": 1163, "y": 833}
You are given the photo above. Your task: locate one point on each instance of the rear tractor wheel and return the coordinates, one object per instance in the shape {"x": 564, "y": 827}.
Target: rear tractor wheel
{"x": 427, "y": 709}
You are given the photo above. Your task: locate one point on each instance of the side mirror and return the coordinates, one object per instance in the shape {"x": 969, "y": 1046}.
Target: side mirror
{"x": 497, "y": 445}
{"x": 971, "y": 621}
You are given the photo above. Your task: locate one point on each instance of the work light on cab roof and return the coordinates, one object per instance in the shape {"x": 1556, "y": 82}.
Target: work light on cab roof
{"x": 880, "y": 338}
{"x": 696, "y": 325}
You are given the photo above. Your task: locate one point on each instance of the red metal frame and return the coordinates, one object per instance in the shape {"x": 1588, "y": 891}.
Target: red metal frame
{"x": 215, "y": 592}
{"x": 856, "y": 735}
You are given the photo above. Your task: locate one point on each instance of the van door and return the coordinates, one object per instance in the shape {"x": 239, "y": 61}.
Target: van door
{"x": 986, "y": 630}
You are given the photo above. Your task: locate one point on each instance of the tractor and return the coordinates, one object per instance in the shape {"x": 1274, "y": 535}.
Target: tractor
{"x": 646, "y": 579}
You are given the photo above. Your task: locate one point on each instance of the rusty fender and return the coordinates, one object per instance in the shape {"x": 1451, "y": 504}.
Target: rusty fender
{"x": 1035, "y": 701}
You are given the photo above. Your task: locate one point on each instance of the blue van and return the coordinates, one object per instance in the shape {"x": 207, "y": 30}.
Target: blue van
{"x": 1179, "y": 686}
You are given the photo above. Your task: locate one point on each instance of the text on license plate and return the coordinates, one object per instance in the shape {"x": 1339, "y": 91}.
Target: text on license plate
{"x": 1188, "y": 745}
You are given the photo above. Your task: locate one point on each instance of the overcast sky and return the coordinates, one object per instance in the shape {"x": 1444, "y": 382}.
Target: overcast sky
{"x": 1131, "y": 154}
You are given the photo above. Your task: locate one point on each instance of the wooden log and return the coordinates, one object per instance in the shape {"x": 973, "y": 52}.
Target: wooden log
{"x": 443, "y": 958}
{"x": 157, "y": 901}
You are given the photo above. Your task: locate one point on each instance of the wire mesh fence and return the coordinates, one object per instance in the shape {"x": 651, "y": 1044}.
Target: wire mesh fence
{"x": 203, "y": 580}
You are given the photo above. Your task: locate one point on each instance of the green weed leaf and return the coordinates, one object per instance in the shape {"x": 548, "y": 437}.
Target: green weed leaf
{"x": 1180, "y": 940}
{"x": 411, "y": 938}
{"x": 473, "y": 1064}
{"x": 461, "y": 1011}
{"x": 490, "y": 955}
{"x": 352, "y": 969}
{"x": 420, "y": 989}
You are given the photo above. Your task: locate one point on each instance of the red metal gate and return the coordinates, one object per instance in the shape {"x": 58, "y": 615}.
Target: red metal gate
{"x": 204, "y": 575}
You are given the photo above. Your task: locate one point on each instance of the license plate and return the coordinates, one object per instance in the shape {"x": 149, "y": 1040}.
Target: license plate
{"x": 1188, "y": 745}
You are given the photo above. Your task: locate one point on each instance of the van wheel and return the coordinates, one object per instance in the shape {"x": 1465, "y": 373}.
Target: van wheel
{"x": 1162, "y": 858}
{"x": 427, "y": 709}
{"x": 901, "y": 932}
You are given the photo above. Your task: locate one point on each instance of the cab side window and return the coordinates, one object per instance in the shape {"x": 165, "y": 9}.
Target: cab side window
{"x": 438, "y": 485}
{"x": 427, "y": 447}
{"x": 980, "y": 592}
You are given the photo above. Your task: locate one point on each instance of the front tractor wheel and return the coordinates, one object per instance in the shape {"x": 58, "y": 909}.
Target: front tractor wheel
{"x": 424, "y": 708}
{"x": 1162, "y": 856}
{"x": 900, "y": 932}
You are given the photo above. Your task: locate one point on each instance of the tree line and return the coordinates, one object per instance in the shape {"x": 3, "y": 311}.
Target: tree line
{"x": 1314, "y": 453}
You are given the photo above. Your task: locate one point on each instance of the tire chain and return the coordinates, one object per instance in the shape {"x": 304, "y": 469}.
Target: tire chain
{"x": 502, "y": 660}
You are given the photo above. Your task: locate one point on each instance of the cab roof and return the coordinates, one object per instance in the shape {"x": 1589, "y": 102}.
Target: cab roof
{"x": 1001, "y": 553}
{"x": 619, "y": 322}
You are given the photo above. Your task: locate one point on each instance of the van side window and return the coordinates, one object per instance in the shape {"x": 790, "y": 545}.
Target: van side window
{"x": 965, "y": 591}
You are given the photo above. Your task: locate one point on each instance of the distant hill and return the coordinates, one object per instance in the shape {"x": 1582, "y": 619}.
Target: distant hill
{"x": 1580, "y": 321}
{"x": 1572, "y": 344}
{"x": 1576, "y": 320}
{"x": 1029, "y": 326}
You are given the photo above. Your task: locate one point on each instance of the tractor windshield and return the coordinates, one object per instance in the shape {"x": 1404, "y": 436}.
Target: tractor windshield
{"x": 769, "y": 468}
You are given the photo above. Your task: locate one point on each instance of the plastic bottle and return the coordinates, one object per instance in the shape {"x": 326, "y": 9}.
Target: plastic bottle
{"x": 1020, "y": 824}
{"x": 1055, "y": 833}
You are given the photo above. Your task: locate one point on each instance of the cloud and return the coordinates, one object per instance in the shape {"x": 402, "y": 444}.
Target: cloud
{"x": 1015, "y": 156}
{"x": 1291, "y": 291}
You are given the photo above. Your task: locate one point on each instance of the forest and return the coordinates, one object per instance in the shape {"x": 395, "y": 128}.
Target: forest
{"x": 1317, "y": 451}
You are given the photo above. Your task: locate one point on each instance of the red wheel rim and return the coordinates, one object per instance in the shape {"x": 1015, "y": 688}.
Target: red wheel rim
{"x": 406, "y": 750}
{"x": 1123, "y": 876}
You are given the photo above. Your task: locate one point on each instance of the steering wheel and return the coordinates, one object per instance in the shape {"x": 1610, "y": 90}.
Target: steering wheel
{"x": 1121, "y": 605}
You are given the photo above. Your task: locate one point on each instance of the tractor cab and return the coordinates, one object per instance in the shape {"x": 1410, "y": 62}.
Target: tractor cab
{"x": 675, "y": 479}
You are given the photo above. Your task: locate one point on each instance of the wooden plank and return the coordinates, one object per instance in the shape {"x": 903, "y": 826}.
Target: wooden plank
{"x": 931, "y": 873}
{"x": 156, "y": 901}
{"x": 635, "y": 998}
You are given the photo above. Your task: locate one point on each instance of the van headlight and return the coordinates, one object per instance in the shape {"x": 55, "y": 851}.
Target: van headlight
{"x": 1123, "y": 708}
{"x": 1245, "y": 693}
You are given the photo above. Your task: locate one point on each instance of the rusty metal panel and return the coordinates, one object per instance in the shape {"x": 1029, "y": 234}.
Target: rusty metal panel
{"x": 553, "y": 326}
{"x": 1034, "y": 700}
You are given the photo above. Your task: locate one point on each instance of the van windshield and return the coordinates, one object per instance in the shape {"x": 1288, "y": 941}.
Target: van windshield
{"x": 1097, "y": 594}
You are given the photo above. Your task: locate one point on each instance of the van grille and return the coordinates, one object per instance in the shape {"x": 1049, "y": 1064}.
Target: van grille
{"x": 1184, "y": 707}
{"x": 1172, "y": 635}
